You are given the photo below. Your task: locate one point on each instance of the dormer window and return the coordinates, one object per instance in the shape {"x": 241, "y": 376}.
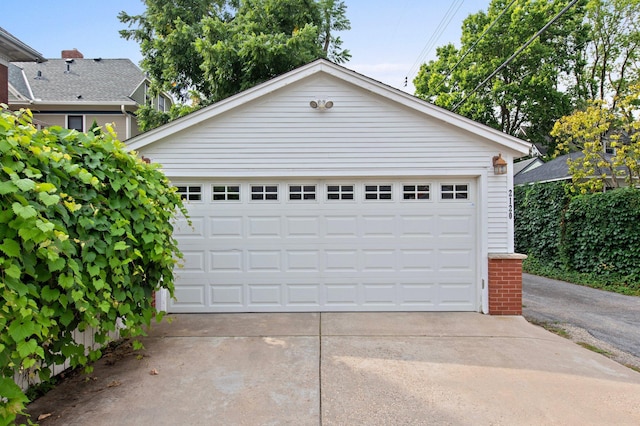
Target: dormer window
{"x": 161, "y": 105}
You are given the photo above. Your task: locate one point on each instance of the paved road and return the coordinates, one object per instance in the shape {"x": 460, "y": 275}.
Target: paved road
{"x": 609, "y": 317}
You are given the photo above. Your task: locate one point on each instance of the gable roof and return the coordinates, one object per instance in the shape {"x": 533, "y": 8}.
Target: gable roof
{"x": 15, "y": 50}
{"x": 554, "y": 170}
{"x": 77, "y": 80}
{"x": 323, "y": 66}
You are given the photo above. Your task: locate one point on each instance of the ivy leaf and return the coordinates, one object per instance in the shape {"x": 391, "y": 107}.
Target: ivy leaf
{"x": 26, "y": 348}
{"x": 7, "y": 187}
{"x": 10, "y": 247}
{"x": 48, "y": 199}
{"x": 13, "y": 271}
{"x": 50, "y": 294}
{"x": 25, "y": 212}
{"x": 21, "y": 330}
{"x": 44, "y": 226}
{"x": 120, "y": 245}
{"x": 25, "y": 184}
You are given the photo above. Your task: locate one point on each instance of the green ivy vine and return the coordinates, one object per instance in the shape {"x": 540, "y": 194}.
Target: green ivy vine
{"x": 86, "y": 237}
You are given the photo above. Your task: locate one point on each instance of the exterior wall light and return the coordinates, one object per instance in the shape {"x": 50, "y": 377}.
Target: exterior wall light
{"x": 321, "y": 104}
{"x": 499, "y": 165}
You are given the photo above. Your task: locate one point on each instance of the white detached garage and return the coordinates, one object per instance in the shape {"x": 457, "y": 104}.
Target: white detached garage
{"x": 324, "y": 190}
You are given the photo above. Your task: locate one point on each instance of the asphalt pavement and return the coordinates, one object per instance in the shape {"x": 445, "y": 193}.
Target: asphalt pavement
{"x": 605, "y": 316}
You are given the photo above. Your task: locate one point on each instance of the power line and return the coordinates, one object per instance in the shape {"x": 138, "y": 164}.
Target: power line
{"x": 474, "y": 45}
{"x": 446, "y": 19}
{"x": 512, "y": 57}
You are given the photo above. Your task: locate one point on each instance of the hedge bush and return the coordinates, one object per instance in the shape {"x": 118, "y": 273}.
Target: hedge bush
{"x": 85, "y": 239}
{"x": 602, "y": 233}
{"x": 596, "y": 234}
{"x": 539, "y": 210}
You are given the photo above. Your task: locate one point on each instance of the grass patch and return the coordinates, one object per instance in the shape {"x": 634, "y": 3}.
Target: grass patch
{"x": 627, "y": 285}
{"x": 552, "y": 328}
{"x": 594, "y": 349}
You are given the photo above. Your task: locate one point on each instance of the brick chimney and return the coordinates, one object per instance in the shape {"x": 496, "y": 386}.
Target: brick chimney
{"x": 72, "y": 54}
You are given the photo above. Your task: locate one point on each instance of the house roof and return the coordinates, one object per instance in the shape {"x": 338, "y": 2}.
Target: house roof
{"x": 15, "y": 50}
{"x": 554, "y": 170}
{"x": 323, "y": 66}
{"x": 76, "y": 80}
{"x": 525, "y": 166}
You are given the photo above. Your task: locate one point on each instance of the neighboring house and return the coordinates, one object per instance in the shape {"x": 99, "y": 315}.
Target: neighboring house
{"x": 551, "y": 171}
{"x": 75, "y": 92}
{"x": 527, "y": 165}
{"x": 325, "y": 190}
{"x": 12, "y": 49}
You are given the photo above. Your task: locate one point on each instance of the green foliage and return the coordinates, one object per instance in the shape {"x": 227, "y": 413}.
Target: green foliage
{"x": 539, "y": 209}
{"x": 588, "y": 239}
{"x": 527, "y": 92}
{"x": 602, "y": 233}
{"x": 598, "y": 127}
{"x": 85, "y": 239}
{"x": 211, "y": 49}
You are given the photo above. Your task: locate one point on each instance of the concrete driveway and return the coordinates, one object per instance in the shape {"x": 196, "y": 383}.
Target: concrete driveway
{"x": 349, "y": 369}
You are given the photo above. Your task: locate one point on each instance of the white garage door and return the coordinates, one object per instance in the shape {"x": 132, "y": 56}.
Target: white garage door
{"x": 335, "y": 245}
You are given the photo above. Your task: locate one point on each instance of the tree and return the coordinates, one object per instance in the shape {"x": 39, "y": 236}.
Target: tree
{"x": 613, "y": 53}
{"x": 207, "y": 50}
{"x": 609, "y": 137}
{"x": 526, "y": 94}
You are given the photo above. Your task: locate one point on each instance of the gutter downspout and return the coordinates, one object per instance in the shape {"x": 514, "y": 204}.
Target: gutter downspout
{"x": 127, "y": 122}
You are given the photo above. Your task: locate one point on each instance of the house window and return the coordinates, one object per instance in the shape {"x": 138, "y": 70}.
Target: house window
{"x": 454, "y": 192}
{"x": 339, "y": 192}
{"x": 226, "y": 193}
{"x": 264, "y": 192}
{"x": 377, "y": 192}
{"x": 415, "y": 192}
{"x": 302, "y": 192}
{"x": 161, "y": 106}
{"x": 75, "y": 122}
{"x": 190, "y": 193}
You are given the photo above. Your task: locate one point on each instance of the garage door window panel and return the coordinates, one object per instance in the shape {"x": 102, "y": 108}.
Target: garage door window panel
{"x": 454, "y": 192}
{"x": 226, "y": 192}
{"x": 302, "y": 192}
{"x": 416, "y": 192}
{"x": 190, "y": 192}
{"x": 264, "y": 192}
{"x": 340, "y": 192}
{"x": 378, "y": 192}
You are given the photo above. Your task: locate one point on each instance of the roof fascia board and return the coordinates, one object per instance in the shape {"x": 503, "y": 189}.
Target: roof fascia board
{"x": 21, "y": 47}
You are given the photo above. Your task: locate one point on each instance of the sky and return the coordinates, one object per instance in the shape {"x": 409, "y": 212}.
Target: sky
{"x": 388, "y": 40}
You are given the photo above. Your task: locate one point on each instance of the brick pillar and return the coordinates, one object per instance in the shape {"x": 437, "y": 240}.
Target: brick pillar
{"x": 505, "y": 283}
{"x": 4, "y": 84}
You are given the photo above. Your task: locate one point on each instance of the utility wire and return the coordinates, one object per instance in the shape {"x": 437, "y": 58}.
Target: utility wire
{"x": 474, "y": 45}
{"x": 435, "y": 36}
{"x": 512, "y": 57}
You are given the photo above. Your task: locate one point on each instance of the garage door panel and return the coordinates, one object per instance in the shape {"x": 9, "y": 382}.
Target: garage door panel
{"x": 378, "y": 226}
{"x": 226, "y": 261}
{"x": 226, "y": 227}
{"x": 341, "y": 226}
{"x": 417, "y": 226}
{"x": 303, "y": 260}
{"x": 340, "y": 261}
{"x": 183, "y": 231}
{"x": 193, "y": 261}
{"x": 264, "y": 260}
{"x": 227, "y": 295}
{"x": 302, "y": 227}
{"x": 328, "y": 255}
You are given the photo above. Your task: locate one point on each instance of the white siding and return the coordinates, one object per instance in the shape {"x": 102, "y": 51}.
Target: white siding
{"x": 281, "y": 134}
